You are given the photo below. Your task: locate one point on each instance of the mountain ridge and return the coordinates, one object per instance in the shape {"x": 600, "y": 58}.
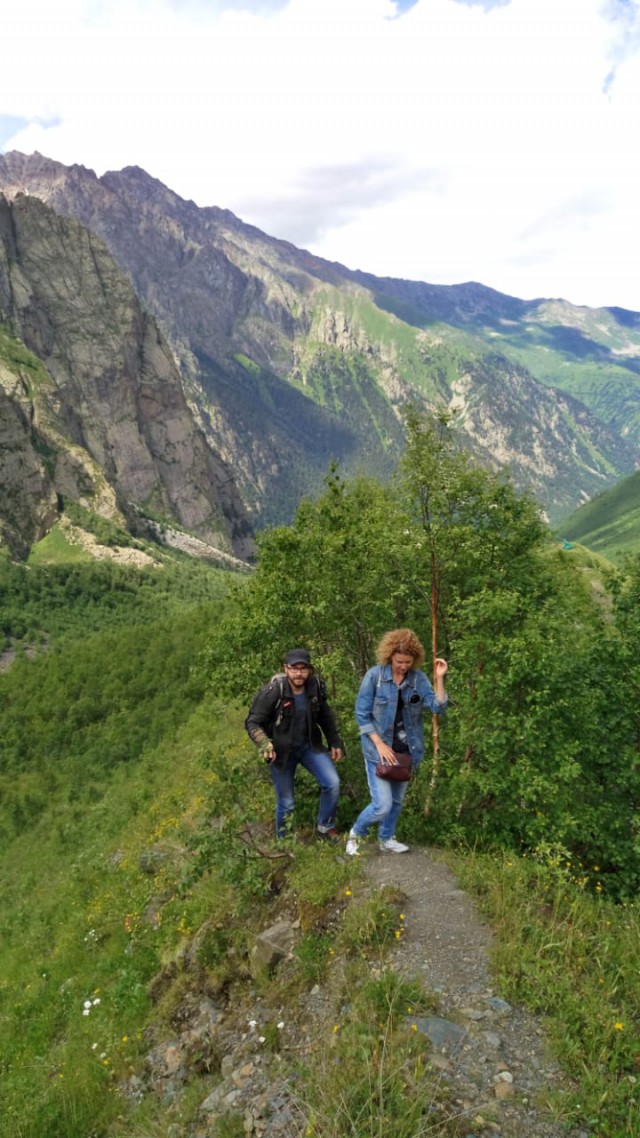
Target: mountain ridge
{"x": 290, "y": 362}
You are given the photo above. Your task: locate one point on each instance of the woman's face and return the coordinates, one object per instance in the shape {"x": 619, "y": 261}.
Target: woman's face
{"x": 401, "y": 662}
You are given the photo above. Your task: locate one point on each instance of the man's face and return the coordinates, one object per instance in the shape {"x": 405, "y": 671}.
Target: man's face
{"x": 297, "y": 675}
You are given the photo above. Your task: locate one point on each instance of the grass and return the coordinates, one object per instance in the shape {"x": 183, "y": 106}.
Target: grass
{"x": 56, "y": 549}
{"x": 22, "y": 361}
{"x": 113, "y": 914}
{"x": 117, "y": 911}
{"x": 140, "y": 883}
{"x": 373, "y": 1078}
{"x": 82, "y": 944}
{"x": 572, "y": 958}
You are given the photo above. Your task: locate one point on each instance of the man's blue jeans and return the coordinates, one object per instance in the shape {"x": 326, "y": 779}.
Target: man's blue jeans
{"x": 321, "y": 766}
{"x": 385, "y": 806}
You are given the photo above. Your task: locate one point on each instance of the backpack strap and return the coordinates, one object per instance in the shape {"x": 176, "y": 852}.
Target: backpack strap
{"x": 278, "y": 679}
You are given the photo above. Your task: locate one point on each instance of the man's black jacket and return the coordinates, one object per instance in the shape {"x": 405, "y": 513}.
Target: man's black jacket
{"x": 271, "y": 716}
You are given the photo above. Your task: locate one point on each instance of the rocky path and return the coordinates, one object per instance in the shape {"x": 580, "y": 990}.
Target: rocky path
{"x": 492, "y": 1055}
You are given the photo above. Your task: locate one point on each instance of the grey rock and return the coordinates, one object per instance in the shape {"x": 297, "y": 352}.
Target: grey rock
{"x": 499, "y": 1005}
{"x": 272, "y": 945}
{"x": 442, "y": 1033}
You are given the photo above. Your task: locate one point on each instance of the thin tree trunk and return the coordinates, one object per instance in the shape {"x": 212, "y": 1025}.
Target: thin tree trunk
{"x": 435, "y": 766}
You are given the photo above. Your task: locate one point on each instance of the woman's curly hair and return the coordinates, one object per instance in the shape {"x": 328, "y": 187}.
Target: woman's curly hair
{"x": 400, "y": 640}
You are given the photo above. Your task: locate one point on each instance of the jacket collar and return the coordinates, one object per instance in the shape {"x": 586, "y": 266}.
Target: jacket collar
{"x": 387, "y": 674}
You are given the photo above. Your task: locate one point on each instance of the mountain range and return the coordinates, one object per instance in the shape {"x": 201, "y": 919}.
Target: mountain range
{"x": 165, "y": 361}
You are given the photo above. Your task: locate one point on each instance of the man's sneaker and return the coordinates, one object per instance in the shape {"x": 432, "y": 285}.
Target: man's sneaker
{"x": 331, "y": 835}
{"x": 393, "y": 846}
{"x": 353, "y": 843}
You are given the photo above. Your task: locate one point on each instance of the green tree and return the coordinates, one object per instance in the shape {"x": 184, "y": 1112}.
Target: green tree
{"x": 333, "y": 581}
{"x": 455, "y": 553}
{"x": 473, "y": 533}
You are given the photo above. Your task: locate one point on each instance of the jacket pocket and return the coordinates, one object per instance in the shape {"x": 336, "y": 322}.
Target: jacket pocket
{"x": 380, "y": 706}
{"x": 415, "y": 707}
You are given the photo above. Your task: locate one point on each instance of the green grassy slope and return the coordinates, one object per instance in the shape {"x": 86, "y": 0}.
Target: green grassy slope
{"x": 590, "y": 353}
{"x": 101, "y": 700}
{"x": 131, "y": 882}
{"x": 610, "y": 523}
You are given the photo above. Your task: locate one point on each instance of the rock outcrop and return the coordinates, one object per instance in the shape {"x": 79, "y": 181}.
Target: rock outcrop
{"x": 94, "y": 409}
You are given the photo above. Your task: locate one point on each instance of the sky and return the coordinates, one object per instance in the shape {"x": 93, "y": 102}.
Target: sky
{"x": 436, "y": 140}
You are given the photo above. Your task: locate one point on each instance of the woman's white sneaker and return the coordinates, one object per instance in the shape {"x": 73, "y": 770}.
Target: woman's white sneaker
{"x": 352, "y": 844}
{"x": 392, "y": 846}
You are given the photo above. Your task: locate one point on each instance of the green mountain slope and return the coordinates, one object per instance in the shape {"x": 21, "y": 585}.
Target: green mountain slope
{"x": 610, "y": 523}
{"x": 592, "y": 354}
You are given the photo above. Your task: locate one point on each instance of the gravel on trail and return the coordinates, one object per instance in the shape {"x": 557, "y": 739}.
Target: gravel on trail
{"x": 493, "y": 1055}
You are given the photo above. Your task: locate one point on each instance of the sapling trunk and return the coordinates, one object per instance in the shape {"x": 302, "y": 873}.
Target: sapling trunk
{"x": 435, "y": 766}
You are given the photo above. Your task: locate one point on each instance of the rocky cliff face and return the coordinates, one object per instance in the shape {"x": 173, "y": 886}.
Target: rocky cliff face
{"x": 102, "y": 419}
{"x": 237, "y": 314}
{"x": 29, "y": 500}
{"x": 290, "y": 362}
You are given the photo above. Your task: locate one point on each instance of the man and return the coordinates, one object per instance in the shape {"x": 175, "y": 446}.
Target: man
{"x": 286, "y": 721}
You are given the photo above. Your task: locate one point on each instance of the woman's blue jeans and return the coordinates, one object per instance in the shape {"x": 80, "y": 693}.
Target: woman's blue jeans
{"x": 321, "y": 766}
{"x": 385, "y": 806}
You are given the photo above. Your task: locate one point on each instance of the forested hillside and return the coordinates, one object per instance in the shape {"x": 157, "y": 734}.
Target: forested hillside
{"x": 137, "y": 856}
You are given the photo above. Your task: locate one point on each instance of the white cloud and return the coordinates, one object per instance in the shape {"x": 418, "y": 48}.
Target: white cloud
{"x": 445, "y": 140}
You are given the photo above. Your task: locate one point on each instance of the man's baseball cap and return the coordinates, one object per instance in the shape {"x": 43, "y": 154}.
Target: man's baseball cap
{"x": 298, "y": 656}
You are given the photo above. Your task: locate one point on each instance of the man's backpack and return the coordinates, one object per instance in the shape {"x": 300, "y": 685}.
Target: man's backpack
{"x": 278, "y": 682}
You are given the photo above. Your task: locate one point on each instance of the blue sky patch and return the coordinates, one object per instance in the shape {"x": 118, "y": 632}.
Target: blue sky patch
{"x": 486, "y": 4}
{"x": 10, "y": 125}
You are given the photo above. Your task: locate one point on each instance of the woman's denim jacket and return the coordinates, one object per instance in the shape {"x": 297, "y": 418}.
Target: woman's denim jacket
{"x": 376, "y": 706}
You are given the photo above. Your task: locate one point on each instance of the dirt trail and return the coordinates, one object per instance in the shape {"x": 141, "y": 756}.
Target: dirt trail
{"x": 492, "y": 1054}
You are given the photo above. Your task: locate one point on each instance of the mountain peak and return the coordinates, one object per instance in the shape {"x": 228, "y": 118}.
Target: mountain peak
{"x": 293, "y": 362}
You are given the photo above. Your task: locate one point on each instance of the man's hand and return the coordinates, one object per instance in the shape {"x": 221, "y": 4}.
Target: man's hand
{"x": 336, "y": 754}
{"x": 267, "y": 751}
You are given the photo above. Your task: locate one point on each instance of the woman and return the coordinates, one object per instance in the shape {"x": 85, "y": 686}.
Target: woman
{"x": 389, "y": 711}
